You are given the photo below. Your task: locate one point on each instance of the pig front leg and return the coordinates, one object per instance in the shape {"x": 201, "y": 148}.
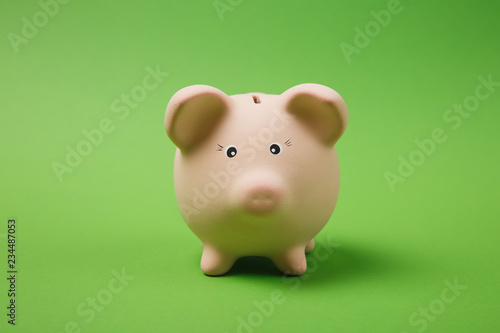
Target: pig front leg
{"x": 292, "y": 262}
{"x": 214, "y": 261}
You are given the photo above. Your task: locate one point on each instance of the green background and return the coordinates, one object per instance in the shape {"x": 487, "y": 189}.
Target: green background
{"x": 117, "y": 209}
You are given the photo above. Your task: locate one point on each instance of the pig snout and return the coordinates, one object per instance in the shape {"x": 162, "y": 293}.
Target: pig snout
{"x": 261, "y": 200}
{"x": 260, "y": 194}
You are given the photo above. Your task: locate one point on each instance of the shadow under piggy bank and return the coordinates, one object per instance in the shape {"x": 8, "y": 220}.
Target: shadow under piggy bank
{"x": 329, "y": 263}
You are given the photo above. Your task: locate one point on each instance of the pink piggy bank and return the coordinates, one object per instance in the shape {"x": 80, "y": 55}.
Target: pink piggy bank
{"x": 256, "y": 174}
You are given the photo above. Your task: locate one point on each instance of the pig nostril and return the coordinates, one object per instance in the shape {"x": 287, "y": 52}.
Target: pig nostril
{"x": 262, "y": 198}
{"x": 256, "y": 99}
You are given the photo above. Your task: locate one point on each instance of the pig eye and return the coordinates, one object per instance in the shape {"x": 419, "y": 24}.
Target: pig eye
{"x": 231, "y": 151}
{"x": 275, "y": 148}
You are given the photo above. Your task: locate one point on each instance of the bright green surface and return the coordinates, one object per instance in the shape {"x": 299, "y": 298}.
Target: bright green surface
{"x": 117, "y": 208}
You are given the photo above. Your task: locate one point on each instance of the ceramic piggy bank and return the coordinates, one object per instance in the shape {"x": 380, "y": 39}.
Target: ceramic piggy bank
{"x": 256, "y": 174}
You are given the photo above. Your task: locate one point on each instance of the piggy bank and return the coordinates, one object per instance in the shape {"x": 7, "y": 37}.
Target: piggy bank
{"x": 256, "y": 174}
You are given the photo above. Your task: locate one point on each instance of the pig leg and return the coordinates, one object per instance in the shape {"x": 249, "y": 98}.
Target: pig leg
{"x": 310, "y": 246}
{"x": 292, "y": 262}
{"x": 215, "y": 262}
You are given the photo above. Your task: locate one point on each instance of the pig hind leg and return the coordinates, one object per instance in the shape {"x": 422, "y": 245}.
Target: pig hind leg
{"x": 310, "y": 246}
{"x": 214, "y": 261}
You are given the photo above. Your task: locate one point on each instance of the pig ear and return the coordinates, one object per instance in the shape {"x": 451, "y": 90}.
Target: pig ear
{"x": 320, "y": 108}
{"x": 193, "y": 113}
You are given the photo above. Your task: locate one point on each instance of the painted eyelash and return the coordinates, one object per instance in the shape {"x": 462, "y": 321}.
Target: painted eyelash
{"x": 219, "y": 147}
